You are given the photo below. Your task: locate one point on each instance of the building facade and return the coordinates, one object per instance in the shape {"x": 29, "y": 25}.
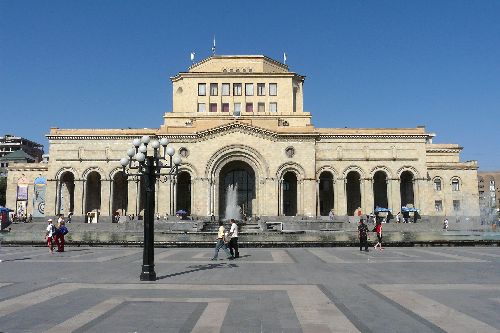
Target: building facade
{"x": 489, "y": 193}
{"x": 239, "y": 120}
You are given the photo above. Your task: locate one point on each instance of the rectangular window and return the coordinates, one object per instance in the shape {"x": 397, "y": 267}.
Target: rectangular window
{"x": 439, "y": 205}
{"x": 202, "y": 89}
{"x": 456, "y": 205}
{"x": 273, "y": 89}
{"x": 249, "y": 107}
{"x": 213, "y": 107}
{"x": 455, "y": 185}
{"x": 249, "y": 89}
{"x": 225, "y": 89}
{"x": 261, "y": 107}
{"x": 237, "y": 109}
{"x": 201, "y": 107}
{"x": 261, "y": 89}
{"x": 237, "y": 89}
{"x": 214, "y": 87}
{"x": 437, "y": 184}
{"x": 225, "y": 107}
{"x": 273, "y": 107}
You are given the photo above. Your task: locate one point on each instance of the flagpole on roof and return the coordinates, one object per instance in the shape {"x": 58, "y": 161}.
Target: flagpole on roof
{"x": 192, "y": 57}
{"x": 284, "y": 58}
{"x": 213, "y": 47}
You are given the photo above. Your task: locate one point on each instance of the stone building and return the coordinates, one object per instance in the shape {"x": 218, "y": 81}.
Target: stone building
{"x": 489, "y": 193}
{"x": 240, "y": 120}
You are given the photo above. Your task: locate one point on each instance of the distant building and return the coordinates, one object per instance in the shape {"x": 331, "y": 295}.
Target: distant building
{"x": 489, "y": 191}
{"x": 11, "y": 143}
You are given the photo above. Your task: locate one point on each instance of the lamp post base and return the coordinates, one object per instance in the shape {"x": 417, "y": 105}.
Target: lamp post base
{"x": 148, "y": 273}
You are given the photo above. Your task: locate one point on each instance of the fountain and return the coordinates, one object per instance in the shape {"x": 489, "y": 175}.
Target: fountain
{"x": 233, "y": 211}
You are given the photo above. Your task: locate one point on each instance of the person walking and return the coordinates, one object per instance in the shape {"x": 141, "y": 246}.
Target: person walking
{"x": 59, "y": 236}
{"x": 363, "y": 235}
{"x": 378, "y": 230}
{"x": 445, "y": 224}
{"x": 233, "y": 242}
{"x": 221, "y": 243}
{"x": 48, "y": 234}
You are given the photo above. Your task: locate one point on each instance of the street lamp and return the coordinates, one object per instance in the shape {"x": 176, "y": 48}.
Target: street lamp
{"x": 149, "y": 168}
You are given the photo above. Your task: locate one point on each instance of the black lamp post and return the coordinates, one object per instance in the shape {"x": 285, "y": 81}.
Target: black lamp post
{"x": 149, "y": 169}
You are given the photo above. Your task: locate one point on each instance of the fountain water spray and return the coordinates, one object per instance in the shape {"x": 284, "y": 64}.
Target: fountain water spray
{"x": 233, "y": 211}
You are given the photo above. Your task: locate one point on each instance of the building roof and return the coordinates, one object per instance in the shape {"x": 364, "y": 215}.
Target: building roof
{"x": 18, "y": 155}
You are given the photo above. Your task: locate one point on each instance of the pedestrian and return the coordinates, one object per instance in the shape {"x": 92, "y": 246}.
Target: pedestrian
{"x": 363, "y": 235}
{"x": 48, "y": 234}
{"x": 445, "y": 224}
{"x": 378, "y": 230}
{"x": 331, "y": 215}
{"x": 30, "y": 218}
{"x": 60, "y": 219}
{"x": 70, "y": 215}
{"x": 221, "y": 243}
{"x": 233, "y": 242}
{"x": 398, "y": 217}
{"x": 59, "y": 235}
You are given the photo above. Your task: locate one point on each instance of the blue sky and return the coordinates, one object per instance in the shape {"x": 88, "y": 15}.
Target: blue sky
{"x": 106, "y": 64}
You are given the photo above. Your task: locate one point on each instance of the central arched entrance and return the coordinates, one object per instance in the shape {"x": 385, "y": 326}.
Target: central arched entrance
{"x": 240, "y": 174}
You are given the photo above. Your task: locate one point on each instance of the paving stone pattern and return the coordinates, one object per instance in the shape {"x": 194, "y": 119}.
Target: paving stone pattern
{"x": 88, "y": 289}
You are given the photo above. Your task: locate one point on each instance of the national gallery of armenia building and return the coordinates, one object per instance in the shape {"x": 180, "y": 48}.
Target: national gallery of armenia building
{"x": 240, "y": 120}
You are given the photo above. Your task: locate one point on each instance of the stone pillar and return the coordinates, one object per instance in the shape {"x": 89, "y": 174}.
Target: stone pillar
{"x": 79, "y": 197}
{"x": 162, "y": 196}
{"x": 341, "y": 196}
{"x": 416, "y": 194}
{"x": 132, "y": 196}
{"x": 396, "y": 196}
{"x": 308, "y": 194}
{"x": 280, "y": 196}
{"x": 105, "y": 209}
{"x": 318, "y": 206}
{"x": 368, "y": 201}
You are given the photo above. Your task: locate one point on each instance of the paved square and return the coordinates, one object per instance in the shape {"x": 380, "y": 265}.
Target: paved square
{"x": 266, "y": 290}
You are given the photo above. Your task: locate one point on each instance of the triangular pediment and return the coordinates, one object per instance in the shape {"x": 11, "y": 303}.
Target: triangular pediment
{"x": 238, "y": 64}
{"x": 237, "y": 127}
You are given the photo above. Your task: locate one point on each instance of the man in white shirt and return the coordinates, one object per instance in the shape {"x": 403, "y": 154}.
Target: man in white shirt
{"x": 233, "y": 243}
{"x": 221, "y": 242}
{"x": 49, "y": 234}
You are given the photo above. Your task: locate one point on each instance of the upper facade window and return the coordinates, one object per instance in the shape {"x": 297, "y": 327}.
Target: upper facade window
{"x": 261, "y": 89}
{"x": 202, "y": 89}
{"x": 437, "y": 184}
{"x": 273, "y": 89}
{"x": 201, "y": 107}
{"x": 273, "y": 107}
{"x": 237, "y": 89}
{"x": 225, "y": 89}
{"x": 249, "y": 89}
{"x": 214, "y": 87}
{"x": 455, "y": 184}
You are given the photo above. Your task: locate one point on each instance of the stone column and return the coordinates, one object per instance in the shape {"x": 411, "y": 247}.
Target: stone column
{"x": 318, "y": 206}
{"x": 396, "y": 196}
{"x": 368, "y": 201}
{"x": 341, "y": 196}
{"x": 309, "y": 196}
{"x": 132, "y": 196}
{"x": 163, "y": 197}
{"x": 78, "y": 195}
{"x": 105, "y": 209}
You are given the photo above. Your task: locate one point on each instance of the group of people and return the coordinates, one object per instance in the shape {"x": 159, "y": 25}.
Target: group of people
{"x": 56, "y": 234}
{"x": 227, "y": 240}
{"x": 363, "y": 235}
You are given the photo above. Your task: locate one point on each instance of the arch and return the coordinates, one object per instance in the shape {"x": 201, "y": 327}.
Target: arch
{"x": 408, "y": 168}
{"x": 183, "y": 192}
{"x": 326, "y": 194}
{"x": 406, "y": 179}
{"x": 380, "y": 198}
{"x": 353, "y": 191}
{"x": 383, "y": 168}
{"x": 355, "y": 168}
{"x": 240, "y": 176}
{"x": 188, "y": 167}
{"x": 65, "y": 191}
{"x": 119, "y": 201}
{"x": 289, "y": 193}
{"x": 236, "y": 153}
{"x": 327, "y": 168}
{"x": 85, "y": 174}
{"x": 92, "y": 191}
{"x": 293, "y": 167}
{"x": 61, "y": 171}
